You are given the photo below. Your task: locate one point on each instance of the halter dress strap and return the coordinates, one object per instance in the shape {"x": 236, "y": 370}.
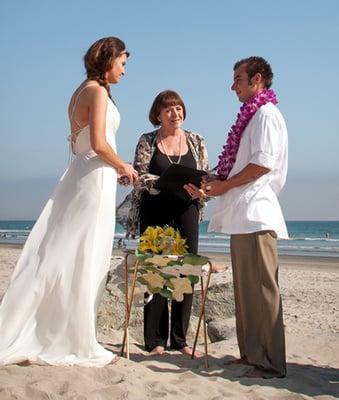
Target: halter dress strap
{"x": 76, "y": 102}
{"x": 71, "y": 138}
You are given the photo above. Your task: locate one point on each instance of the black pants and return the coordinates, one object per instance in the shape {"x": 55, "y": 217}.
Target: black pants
{"x": 185, "y": 218}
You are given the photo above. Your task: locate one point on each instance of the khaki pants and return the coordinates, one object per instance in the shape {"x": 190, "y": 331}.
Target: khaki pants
{"x": 259, "y": 320}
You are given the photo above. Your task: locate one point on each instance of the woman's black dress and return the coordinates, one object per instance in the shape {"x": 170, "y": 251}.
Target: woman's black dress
{"x": 167, "y": 209}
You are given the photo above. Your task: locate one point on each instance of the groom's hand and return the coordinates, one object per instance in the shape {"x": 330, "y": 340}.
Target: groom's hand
{"x": 194, "y": 191}
{"x": 215, "y": 187}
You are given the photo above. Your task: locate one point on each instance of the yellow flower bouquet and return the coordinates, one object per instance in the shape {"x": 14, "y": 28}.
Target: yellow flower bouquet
{"x": 165, "y": 267}
{"x": 157, "y": 240}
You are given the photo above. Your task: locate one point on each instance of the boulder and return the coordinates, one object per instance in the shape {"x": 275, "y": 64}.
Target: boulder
{"x": 111, "y": 313}
{"x": 220, "y": 329}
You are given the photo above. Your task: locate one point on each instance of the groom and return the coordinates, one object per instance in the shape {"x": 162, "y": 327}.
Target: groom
{"x": 251, "y": 172}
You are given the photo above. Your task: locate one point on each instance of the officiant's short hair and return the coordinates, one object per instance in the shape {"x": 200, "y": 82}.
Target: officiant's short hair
{"x": 165, "y": 99}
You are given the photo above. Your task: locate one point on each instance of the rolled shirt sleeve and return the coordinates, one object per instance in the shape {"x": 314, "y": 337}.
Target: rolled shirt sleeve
{"x": 265, "y": 141}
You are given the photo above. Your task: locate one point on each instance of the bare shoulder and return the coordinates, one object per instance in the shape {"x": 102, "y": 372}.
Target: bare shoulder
{"x": 97, "y": 95}
{"x": 86, "y": 91}
{"x": 96, "y": 91}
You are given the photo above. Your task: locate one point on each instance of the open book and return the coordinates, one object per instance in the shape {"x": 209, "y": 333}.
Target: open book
{"x": 176, "y": 176}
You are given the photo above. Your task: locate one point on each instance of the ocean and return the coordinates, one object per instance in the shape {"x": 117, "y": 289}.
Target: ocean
{"x": 307, "y": 238}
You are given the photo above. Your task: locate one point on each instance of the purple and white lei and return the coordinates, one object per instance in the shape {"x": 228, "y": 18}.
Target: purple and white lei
{"x": 247, "y": 110}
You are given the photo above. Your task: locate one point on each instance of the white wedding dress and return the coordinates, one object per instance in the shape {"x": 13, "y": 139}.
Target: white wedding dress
{"x": 48, "y": 314}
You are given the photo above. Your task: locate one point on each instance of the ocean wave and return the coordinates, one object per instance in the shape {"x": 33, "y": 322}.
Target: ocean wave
{"x": 15, "y": 230}
{"x": 317, "y": 239}
{"x": 213, "y": 244}
{"x": 304, "y": 244}
{"x": 221, "y": 236}
{"x": 295, "y": 246}
{"x": 212, "y": 237}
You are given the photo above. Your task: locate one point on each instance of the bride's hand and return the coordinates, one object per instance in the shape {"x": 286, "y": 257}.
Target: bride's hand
{"x": 209, "y": 178}
{"x": 127, "y": 175}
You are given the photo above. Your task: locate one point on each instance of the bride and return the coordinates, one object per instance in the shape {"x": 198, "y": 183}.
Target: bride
{"x": 48, "y": 313}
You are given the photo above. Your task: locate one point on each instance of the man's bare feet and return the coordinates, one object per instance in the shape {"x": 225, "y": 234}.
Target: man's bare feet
{"x": 157, "y": 351}
{"x": 258, "y": 373}
{"x": 188, "y": 351}
{"x": 251, "y": 373}
{"x": 242, "y": 360}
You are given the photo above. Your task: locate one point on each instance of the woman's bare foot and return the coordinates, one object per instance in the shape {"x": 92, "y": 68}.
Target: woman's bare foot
{"x": 157, "y": 351}
{"x": 114, "y": 360}
{"x": 188, "y": 351}
{"x": 219, "y": 267}
{"x": 25, "y": 363}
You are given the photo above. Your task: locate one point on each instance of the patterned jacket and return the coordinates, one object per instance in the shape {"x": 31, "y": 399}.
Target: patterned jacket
{"x": 128, "y": 210}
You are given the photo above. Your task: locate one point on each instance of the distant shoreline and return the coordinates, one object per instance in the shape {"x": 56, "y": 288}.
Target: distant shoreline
{"x": 312, "y": 262}
{"x": 307, "y": 239}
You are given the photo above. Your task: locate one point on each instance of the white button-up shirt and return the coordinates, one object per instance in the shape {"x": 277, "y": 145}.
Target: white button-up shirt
{"x": 254, "y": 207}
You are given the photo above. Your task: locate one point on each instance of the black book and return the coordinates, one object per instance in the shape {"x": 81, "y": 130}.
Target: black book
{"x": 176, "y": 176}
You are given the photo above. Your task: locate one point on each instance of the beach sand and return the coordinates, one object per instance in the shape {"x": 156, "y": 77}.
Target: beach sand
{"x": 310, "y": 292}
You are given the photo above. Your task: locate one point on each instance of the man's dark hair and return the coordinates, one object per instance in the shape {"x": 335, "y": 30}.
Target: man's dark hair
{"x": 256, "y": 65}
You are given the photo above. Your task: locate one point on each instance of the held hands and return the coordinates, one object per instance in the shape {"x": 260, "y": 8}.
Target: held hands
{"x": 213, "y": 185}
{"x": 209, "y": 187}
{"x": 127, "y": 175}
{"x": 194, "y": 191}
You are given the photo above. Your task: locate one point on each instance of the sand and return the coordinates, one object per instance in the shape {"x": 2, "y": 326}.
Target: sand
{"x": 310, "y": 292}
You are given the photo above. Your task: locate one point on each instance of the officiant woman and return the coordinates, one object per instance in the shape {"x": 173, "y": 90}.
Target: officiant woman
{"x": 168, "y": 144}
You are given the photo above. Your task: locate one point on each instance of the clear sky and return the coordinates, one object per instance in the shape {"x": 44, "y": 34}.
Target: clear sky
{"x": 189, "y": 46}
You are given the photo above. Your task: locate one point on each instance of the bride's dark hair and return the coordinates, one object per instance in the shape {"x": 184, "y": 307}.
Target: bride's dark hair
{"x": 100, "y": 57}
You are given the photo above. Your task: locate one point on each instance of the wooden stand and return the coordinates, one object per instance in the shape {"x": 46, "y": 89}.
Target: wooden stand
{"x": 128, "y": 304}
{"x": 204, "y": 291}
{"x": 129, "y": 301}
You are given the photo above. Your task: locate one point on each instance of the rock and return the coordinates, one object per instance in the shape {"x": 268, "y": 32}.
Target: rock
{"x": 220, "y": 329}
{"x": 192, "y": 329}
{"x": 112, "y": 310}
{"x": 111, "y": 313}
{"x": 219, "y": 303}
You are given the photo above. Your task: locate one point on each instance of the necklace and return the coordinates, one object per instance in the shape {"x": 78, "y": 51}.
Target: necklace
{"x": 247, "y": 110}
{"x": 165, "y": 151}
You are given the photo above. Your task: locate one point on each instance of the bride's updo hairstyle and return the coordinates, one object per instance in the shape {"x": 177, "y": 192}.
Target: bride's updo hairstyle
{"x": 100, "y": 58}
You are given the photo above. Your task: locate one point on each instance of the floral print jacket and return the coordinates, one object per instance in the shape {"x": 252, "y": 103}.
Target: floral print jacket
{"x": 128, "y": 210}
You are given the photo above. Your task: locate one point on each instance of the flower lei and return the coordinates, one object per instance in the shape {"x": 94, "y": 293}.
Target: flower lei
{"x": 247, "y": 110}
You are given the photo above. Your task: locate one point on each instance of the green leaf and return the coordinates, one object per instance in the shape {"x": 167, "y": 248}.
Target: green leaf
{"x": 166, "y": 293}
{"x": 175, "y": 262}
{"x": 139, "y": 253}
{"x": 142, "y": 271}
{"x": 169, "y": 284}
{"x": 195, "y": 259}
{"x": 167, "y": 276}
{"x": 154, "y": 290}
{"x": 193, "y": 278}
{"x": 150, "y": 267}
{"x": 141, "y": 256}
{"x": 141, "y": 280}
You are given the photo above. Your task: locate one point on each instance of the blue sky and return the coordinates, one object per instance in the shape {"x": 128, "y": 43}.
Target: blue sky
{"x": 189, "y": 46}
